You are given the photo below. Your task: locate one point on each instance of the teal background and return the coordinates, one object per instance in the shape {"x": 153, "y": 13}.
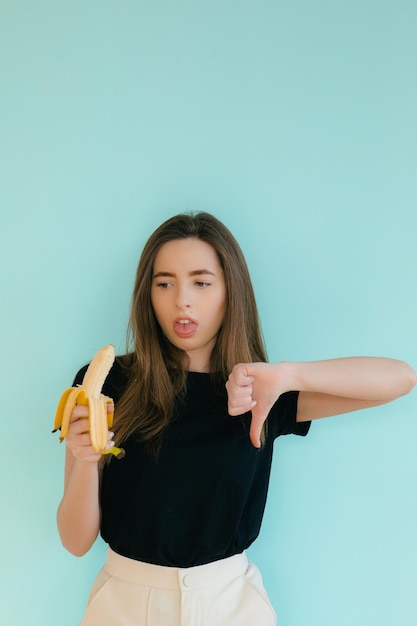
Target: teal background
{"x": 294, "y": 123}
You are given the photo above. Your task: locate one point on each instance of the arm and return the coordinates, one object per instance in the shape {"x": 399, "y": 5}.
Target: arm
{"x": 326, "y": 387}
{"x": 78, "y": 514}
{"x": 342, "y": 385}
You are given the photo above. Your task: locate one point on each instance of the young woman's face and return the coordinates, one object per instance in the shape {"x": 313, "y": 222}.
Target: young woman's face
{"x": 189, "y": 297}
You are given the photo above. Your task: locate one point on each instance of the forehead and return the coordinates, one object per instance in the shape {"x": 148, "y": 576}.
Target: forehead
{"x": 190, "y": 253}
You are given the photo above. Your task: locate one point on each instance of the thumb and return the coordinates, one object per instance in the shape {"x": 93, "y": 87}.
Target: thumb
{"x": 259, "y": 415}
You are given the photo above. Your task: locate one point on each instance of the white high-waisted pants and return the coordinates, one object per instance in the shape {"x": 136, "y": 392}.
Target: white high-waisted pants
{"x": 229, "y": 592}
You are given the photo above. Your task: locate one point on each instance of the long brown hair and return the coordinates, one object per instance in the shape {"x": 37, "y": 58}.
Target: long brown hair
{"x": 156, "y": 368}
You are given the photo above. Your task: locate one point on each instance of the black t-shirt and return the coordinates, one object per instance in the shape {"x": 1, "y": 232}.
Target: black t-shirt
{"x": 204, "y": 499}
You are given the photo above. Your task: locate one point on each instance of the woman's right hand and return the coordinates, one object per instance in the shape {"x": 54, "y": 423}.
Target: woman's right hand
{"x": 78, "y": 439}
{"x": 79, "y": 511}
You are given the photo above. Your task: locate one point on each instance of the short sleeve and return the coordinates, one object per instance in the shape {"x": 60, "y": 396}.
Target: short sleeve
{"x": 79, "y": 376}
{"x": 282, "y": 418}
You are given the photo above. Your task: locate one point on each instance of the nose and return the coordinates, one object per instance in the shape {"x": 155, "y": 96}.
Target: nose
{"x": 183, "y": 299}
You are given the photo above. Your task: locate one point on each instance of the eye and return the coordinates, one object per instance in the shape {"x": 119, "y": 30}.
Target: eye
{"x": 202, "y": 284}
{"x": 163, "y": 284}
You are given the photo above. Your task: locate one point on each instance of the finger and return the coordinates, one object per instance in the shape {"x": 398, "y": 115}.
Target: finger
{"x": 78, "y": 412}
{"x": 240, "y": 408}
{"x": 255, "y": 435}
{"x": 257, "y": 422}
{"x": 243, "y": 379}
{"x": 240, "y": 398}
{"x": 79, "y": 441}
{"x": 240, "y": 376}
{"x": 80, "y": 426}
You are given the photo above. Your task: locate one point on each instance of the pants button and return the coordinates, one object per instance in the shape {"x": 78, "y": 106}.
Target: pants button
{"x": 187, "y": 581}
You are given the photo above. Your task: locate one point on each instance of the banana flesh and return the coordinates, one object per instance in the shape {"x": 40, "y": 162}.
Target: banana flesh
{"x": 89, "y": 394}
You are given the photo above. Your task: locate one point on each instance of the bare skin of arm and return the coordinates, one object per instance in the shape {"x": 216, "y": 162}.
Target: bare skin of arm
{"x": 79, "y": 514}
{"x": 326, "y": 388}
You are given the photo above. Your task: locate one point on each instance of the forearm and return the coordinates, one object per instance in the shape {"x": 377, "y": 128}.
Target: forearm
{"x": 78, "y": 514}
{"x": 326, "y": 387}
{"x": 366, "y": 378}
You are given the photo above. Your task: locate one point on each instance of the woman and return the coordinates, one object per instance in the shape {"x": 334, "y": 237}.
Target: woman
{"x": 198, "y": 408}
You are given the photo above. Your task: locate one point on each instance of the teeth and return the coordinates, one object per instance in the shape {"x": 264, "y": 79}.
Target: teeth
{"x": 184, "y": 322}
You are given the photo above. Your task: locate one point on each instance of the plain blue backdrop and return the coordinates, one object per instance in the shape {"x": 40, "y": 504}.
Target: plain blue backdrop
{"x": 294, "y": 123}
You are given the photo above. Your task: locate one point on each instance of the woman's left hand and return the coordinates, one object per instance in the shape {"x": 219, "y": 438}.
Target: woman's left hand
{"x": 254, "y": 387}
{"x": 326, "y": 388}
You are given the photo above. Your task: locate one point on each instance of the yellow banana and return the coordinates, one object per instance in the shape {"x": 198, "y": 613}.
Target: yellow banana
{"x": 89, "y": 394}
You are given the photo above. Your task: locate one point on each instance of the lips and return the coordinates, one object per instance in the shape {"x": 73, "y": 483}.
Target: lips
{"x": 185, "y": 327}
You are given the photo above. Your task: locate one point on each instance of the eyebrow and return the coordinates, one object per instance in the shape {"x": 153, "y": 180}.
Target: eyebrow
{"x": 193, "y": 273}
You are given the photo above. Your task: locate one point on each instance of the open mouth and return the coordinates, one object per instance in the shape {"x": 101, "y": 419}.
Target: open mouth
{"x": 185, "y": 327}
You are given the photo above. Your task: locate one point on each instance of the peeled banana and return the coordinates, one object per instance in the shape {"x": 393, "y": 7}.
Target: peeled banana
{"x": 89, "y": 394}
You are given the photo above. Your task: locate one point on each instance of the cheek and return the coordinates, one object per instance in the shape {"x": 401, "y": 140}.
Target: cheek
{"x": 221, "y": 310}
{"x": 156, "y": 307}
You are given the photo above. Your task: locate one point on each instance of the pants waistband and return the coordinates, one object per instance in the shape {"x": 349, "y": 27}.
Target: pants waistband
{"x": 180, "y": 579}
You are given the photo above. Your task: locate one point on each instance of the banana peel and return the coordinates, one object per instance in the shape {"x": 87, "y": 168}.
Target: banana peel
{"x": 89, "y": 394}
